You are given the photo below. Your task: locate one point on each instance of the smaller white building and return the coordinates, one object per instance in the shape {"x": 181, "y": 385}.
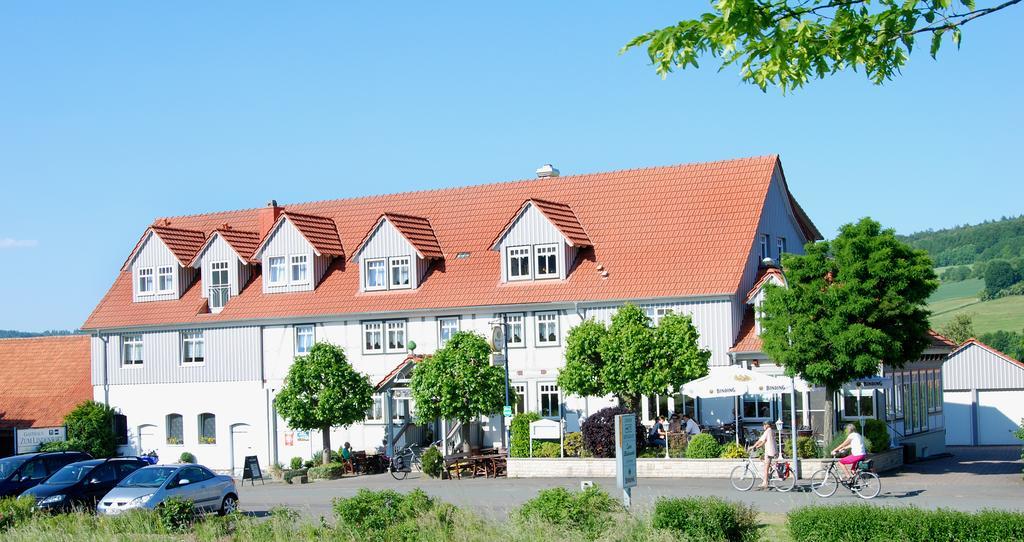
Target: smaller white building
{"x": 984, "y": 396}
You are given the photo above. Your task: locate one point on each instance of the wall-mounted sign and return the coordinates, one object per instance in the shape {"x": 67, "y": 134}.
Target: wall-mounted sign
{"x": 29, "y": 440}
{"x": 289, "y": 438}
{"x": 302, "y": 436}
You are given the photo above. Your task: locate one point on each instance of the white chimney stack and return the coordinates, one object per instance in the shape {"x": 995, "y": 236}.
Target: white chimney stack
{"x": 547, "y": 170}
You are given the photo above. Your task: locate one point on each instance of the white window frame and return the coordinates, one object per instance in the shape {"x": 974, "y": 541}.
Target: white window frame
{"x": 399, "y": 262}
{"x": 210, "y": 286}
{"x": 550, "y": 250}
{"x": 657, "y": 313}
{"x": 133, "y": 343}
{"x": 196, "y": 338}
{"x": 375, "y": 326}
{"x": 757, "y": 398}
{"x": 516, "y": 319}
{"x": 302, "y": 330}
{"x": 547, "y": 389}
{"x": 366, "y": 274}
{"x": 780, "y": 247}
{"x": 396, "y": 326}
{"x": 862, "y": 395}
{"x": 160, "y": 274}
{"x": 524, "y": 251}
{"x": 765, "y": 249}
{"x": 283, "y": 277}
{"x": 541, "y": 340}
{"x": 441, "y": 326}
{"x": 376, "y": 408}
{"x": 298, "y": 261}
{"x": 149, "y": 273}
{"x": 199, "y": 434}
{"x": 520, "y": 389}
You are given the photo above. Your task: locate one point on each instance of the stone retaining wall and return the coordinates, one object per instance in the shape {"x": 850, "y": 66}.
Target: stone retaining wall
{"x": 574, "y": 467}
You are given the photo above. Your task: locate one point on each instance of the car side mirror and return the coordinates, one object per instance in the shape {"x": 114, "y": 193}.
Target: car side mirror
{"x": 183, "y": 482}
{"x": 25, "y": 478}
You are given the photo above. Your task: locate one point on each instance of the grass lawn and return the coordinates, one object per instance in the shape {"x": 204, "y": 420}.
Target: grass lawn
{"x": 1006, "y": 313}
{"x": 954, "y": 290}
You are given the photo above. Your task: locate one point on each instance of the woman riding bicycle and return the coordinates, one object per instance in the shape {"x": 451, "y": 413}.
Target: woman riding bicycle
{"x": 771, "y": 451}
{"x": 858, "y": 451}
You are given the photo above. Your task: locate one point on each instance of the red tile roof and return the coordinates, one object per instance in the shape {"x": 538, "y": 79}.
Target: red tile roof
{"x": 45, "y": 378}
{"x": 561, "y": 217}
{"x": 764, "y": 275}
{"x": 417, "y": 230}
{"x": 699, "y": 220}
{"x": 973, "y": 341}
{"x": 184, "y": 243}
{"x": 938, "y": 341}
{"x": 244, "y": 243}
{"x": 411, "y": 358}
{"x": 320, "y": 231}
{"x": 747, "y": 340}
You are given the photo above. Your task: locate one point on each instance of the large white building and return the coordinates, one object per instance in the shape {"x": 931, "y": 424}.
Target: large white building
{"x": 196, "y": 334}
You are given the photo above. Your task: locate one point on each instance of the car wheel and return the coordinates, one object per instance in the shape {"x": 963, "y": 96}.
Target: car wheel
{"x": 228, "y": 506}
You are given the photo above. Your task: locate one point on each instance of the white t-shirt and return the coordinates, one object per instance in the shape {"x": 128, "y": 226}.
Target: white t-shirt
{"x": 691, "y": 427}
{"x": 857, "y": 444}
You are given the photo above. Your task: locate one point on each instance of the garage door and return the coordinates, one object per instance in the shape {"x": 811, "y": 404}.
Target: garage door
{"x": 957, "y": 409}
{"x": 999, "y": 414}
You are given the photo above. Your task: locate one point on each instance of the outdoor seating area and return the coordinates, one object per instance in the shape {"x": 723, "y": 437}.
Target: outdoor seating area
{"x": 487, "y": 463}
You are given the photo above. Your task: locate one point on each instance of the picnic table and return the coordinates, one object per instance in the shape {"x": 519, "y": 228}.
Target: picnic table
{"x": 486, "y": 463}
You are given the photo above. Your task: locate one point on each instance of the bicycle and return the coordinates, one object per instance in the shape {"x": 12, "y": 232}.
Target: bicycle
{"x": 780, "y": 477}
{"x": 405, "y": 461}
{"x": 863, "y": 483}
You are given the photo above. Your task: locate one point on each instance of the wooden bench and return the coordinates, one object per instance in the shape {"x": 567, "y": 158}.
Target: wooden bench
{"x": 454, "y": 464}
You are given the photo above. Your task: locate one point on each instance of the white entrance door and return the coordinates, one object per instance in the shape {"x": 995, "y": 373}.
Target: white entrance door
{"x": 147, "y": 438}
{"x": 999, "y": 414}
{"x": 956, "y": 407}
{"x": 241, "y": 446}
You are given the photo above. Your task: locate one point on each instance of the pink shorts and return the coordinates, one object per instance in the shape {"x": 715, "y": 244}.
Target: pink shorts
{"x": 851, "y": 459}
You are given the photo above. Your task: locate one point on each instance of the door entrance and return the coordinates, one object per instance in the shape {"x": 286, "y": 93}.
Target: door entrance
{"x": 147, "y": 438}
{"x": 241, "y": 446}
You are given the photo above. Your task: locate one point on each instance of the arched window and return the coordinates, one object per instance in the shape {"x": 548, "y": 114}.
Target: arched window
{"x": 175, "y": 429}
{"x": 207, "y": 428}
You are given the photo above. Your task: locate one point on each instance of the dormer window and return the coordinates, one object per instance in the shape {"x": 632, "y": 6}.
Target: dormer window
{"x": 400, "y": 274}
{"x": 276, "y": 270}
{"x": 145, "y": 280}
{"x": 375, "y": 273}
{"x": 519, "y": 263}
{"x": 300, "y": 269}
{"x": 220, "y": 286}
{"x": 165, "y": 279}
{"x": 547, "y": 261}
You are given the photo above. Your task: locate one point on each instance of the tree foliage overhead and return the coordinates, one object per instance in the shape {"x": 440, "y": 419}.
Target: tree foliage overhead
{"x": 630, "y": 358}
{"x": 786, "y": 43}
{"x": 458, "y": 382}
{"x": 850, "y": 304}
{"x": 322, "y": 390}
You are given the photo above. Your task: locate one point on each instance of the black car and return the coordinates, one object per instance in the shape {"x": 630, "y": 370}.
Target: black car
{"x": 82, "y": 484}
{"x": 20, "y": 472}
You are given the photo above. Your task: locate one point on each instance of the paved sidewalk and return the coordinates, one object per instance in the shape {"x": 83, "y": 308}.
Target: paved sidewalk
{"x": 974, "y": 478}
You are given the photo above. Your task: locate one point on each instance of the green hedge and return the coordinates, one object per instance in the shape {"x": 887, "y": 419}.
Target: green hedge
{"x": 876, "y": 433}
{"x": 330, "y": 471}
{"x": 703, "y": 446}
{"x": 707, "y": 518}
{"x": 520, "y": 429}
{"x": 14, "y": 511}
{"x": 378, "y": 511}
{"x": 866, "y": 523}
{"x": 432, "y": 462}
{"x": 589, "y": 512}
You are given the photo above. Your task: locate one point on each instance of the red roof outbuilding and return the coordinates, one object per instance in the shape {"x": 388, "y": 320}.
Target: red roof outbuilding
{"x": 45, "y": 378}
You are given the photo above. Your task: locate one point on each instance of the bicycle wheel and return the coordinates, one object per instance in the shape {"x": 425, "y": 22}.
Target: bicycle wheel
{"x": 867, "y": 485}
{"x": 783, "y": 484}
{"x": 742, "y": 478}
{"x": 824, "y": 483}
{"x": 398, "y": 474}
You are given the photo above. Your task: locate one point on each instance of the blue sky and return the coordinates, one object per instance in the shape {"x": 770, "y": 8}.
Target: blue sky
{"x": 112, "y": 114}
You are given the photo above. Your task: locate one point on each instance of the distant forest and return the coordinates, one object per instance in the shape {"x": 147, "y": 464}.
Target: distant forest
{"x": 965, "y": 245}
{"x": 14, "y": 334}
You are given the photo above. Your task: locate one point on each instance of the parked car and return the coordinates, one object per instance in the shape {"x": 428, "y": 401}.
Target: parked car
{"x": 20, "y": 472}
{"x": 83, "y": 483}
{"x": 149, "y": 486}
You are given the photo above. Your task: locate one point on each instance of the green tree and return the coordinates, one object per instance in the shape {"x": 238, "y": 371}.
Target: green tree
{"x": 630, "y": 358}
{"x": 850, "y": 304}
{"x": 459, "y": 383}
{"x": 999, "y": 274}
{"x": 959, "y": 329}
{"x": 90, "y": 428}
{"x": 786, "y": 43}
{"x": 321, "y": 391}
{"x": 1010, "y": 343}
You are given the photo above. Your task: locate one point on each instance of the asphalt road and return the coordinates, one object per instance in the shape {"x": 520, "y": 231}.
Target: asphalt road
{"x": 973, "y": 479}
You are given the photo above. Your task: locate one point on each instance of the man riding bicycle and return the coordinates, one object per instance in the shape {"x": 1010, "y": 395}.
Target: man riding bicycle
{"x": 858, "y": 451}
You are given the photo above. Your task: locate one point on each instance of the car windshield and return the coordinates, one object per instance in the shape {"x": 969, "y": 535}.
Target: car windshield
{"x": 148, "y": 477}
{"x": 70, "y": 474}
{"x": 9, "y": 465}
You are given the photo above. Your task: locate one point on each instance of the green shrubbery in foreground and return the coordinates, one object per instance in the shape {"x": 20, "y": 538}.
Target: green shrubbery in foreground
{"x": 555, "y": 514}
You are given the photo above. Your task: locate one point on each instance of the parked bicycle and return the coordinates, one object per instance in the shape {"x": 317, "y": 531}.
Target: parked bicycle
{"x": 406, "y": 460}
{"x": 781, "y": 476}
{"x": 863, "y": 483}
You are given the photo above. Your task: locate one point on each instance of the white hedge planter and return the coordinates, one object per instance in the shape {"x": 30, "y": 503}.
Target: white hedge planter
{"x": 574, "y": 467}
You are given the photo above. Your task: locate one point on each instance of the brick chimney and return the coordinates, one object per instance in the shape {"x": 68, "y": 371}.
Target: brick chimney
{"x": 268, "y": 217}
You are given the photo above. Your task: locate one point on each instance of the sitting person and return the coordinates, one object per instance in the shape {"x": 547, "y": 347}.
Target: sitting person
{"x": 656, "y": 437}
{"x": 855, "y": 443}
{"x": 675, "y": 424}
{"x": 346, "y": 458}
{"x": 690, "y": 427}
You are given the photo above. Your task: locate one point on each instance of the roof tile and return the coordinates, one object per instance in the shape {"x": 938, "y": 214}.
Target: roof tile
{"x": 47, "y": 377}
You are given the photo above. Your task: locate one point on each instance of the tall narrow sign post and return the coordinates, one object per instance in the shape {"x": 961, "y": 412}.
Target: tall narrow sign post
{"x": 625, "y": 455}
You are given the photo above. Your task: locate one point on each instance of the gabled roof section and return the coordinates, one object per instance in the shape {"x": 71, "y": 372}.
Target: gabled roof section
{"x": 561, "y": 217}
{"x": 808, "y": 228}
{"x": 975, "y": 342}
{"x": 415, "y": 229}
{"x": 321, "y": 232}
{"x": 767, "y": 274}
{"x": 748, "y": 341}
{"x": 244, "y": 243}
{"x": 52, "y": 376}
{"x": 409, "y": 360}
{"x": 183, "y": 243}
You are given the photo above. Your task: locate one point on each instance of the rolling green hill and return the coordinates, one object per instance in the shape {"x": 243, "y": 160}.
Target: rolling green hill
{"x": 967, "y": 244}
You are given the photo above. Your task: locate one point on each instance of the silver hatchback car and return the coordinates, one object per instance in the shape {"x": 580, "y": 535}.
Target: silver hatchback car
{"x": 147, "y": 487}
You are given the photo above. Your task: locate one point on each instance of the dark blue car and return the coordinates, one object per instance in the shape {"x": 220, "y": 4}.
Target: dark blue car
{"x": 80, "y": 485}
{"x": 21, "y": 472}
